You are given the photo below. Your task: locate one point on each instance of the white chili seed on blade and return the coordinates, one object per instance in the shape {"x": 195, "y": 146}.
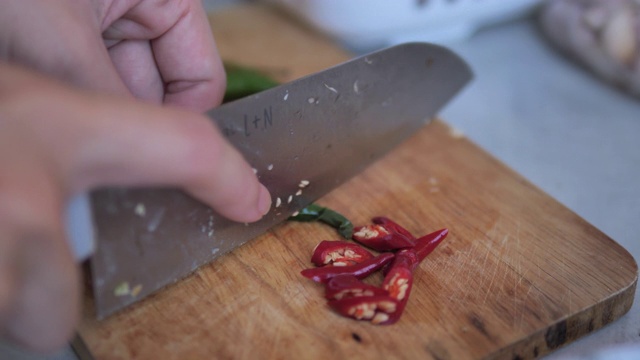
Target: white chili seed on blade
{"x": 303, "y": 184}
{"x": 290, "y": 199}
{"x": 296, "y": 213}
{"x": 299, "y": 192}
{"x": 278, "y": 202}
{"x": 140, "y": 210}
{"x": 331, "y": 88}
{"x": 270, "y": 167}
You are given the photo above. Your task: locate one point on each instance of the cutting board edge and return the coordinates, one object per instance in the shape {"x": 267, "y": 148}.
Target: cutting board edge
{"x": 573, "y": 327}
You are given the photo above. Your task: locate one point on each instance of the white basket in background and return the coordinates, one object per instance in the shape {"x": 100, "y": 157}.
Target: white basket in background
{"x": 373, "y": 23}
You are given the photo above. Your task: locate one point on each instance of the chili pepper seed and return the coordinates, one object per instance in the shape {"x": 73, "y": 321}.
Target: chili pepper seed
{"x": 370, "y": 231}
{"x": 379, "y": 318}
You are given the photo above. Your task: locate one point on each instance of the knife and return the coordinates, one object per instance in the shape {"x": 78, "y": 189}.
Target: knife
{"x": 303, "y": 138}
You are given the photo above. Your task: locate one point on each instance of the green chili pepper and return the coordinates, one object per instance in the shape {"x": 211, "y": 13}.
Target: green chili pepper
{"x": 315, "y": 212}
{"x": 243, "y": 81}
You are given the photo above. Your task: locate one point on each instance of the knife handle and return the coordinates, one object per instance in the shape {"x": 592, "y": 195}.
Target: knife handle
{"x": 79, "y": 225}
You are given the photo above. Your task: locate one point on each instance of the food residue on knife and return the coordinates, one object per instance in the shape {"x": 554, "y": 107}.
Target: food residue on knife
{"x": 122, "y": 289}
{"x": 136, "y": 290}
{"x": 331, "y": 88}
{"x": 140, "y": 210}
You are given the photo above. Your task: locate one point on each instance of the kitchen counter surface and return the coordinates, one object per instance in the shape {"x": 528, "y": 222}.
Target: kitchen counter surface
{"x": 564, "y": 130}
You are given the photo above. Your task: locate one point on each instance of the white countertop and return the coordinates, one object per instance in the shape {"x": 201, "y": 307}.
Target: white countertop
{"x": 564, "y": 130}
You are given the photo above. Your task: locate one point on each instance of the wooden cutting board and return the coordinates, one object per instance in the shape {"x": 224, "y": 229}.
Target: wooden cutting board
{"x": 519, "y": 275}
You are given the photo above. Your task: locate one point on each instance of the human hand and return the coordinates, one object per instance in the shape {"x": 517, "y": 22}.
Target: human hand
{"x": 159, "y": 51}
{"x": 56, "y": 141}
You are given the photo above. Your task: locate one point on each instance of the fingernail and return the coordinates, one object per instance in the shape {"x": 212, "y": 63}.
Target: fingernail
{"x": 264, "y": 200}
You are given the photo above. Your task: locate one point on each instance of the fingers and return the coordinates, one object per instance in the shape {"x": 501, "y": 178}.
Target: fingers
{"x": 183, "y": 48}
{"x": 64, "y": 39}
{"x": 93, "y": 141}
{"x": 61, "y": 39}
{"x": 192, "y": 69}
{"x": 134, "y": 62}
{"x": 129, "y": 143}
{"x": 39, "y": 286}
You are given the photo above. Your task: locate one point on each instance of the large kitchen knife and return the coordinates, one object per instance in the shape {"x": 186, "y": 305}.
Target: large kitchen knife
{"x": 303, "y": 138}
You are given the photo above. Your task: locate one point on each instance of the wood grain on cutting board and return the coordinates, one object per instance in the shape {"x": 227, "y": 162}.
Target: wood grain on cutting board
{"x": 519, "y": 275}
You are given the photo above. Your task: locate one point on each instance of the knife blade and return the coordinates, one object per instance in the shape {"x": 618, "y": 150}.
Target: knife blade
{"x": 320, "y": 130}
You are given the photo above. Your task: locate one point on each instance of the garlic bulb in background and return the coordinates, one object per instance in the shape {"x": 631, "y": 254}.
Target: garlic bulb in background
{"x": 603, "y": 35}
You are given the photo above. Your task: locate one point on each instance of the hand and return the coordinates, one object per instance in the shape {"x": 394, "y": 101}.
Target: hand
{"x": 56, "y": 140}
{"x": 161, "y": 51}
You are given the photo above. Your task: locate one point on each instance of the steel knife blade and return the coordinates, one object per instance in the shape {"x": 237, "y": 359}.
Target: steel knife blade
{"x": 323, "y": 128}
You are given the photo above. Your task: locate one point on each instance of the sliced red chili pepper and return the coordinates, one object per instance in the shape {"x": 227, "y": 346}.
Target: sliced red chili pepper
{"x": 344, "y": 286}
{"x": 398, "y": 279}
{"x": 376, "y": 309}
{"x": 411, "y": 258}
{"x": 360, "y": 270}
{"x": 426, "y": 244}
{"x": 406, "y": 258}
{"x": 380, "y": 238}
{"x": 393, "y": 226}
{"x": 339, "y": 253}
{"x": 398, "y": 283}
